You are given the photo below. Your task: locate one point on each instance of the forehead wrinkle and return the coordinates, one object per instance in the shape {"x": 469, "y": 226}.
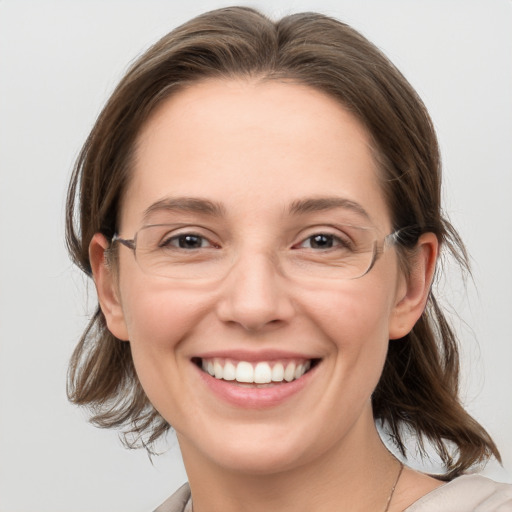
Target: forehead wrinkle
{"x": 186, "y": 204}
{"x": 318, "y": 204}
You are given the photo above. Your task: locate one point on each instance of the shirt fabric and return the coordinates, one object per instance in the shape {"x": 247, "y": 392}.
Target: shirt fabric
{"x": 468, "y": 493}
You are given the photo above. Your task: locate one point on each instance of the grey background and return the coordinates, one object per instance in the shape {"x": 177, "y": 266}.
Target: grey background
{"x": 58, "y": 63}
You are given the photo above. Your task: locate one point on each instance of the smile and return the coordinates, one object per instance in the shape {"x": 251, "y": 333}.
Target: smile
{"x": 256, "y": 381}
{"x": 257, "y": 372}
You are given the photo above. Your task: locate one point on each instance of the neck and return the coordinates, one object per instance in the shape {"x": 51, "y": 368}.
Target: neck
{"x": 356, "y": 475}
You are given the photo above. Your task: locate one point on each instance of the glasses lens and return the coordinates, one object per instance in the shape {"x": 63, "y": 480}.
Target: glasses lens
{"x": 168, "y": 251}
{"x": 346, "y": 252}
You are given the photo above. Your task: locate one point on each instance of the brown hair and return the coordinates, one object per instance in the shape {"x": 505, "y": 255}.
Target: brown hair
{"x": 418, "y": 390}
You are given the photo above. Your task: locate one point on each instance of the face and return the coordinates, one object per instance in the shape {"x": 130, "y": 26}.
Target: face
{"x": 252, "y": 172}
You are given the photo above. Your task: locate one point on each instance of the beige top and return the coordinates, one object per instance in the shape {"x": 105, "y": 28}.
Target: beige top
{"x": 468, "y": 493}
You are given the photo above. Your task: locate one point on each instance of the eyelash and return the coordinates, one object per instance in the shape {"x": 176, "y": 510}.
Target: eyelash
{"x": 168, "y": 242}
{"x": 334, "y": 240}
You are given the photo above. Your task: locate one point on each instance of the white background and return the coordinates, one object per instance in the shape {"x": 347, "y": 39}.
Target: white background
{"x": 58, "y": 63}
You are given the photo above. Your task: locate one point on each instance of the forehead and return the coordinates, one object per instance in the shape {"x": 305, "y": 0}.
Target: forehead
{"x": 252, "y": 145}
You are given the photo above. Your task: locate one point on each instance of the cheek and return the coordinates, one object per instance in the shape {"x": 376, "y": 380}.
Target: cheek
{"x": 356, "y": 320}
{"x": 149, "y": 320}
{"x": 158, "y": 315}
{"x": 158, "y": 320}
{"x": 354, "y": 315}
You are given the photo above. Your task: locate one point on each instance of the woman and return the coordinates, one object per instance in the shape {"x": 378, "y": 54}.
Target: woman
{"x": 259, "y": 206}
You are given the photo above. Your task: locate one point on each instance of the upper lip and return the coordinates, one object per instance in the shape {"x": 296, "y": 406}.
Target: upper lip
{"x": 254, "y": 356}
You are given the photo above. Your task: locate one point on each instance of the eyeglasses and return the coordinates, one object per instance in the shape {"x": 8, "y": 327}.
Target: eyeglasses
{"x": 340, "y": 252}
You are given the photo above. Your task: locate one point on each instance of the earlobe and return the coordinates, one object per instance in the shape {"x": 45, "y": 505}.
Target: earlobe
{"x": 105, "y": 282}
{"x": 413, "y": 297}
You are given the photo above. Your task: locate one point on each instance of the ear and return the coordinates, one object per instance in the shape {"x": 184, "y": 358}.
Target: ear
{"x": 106, "y": 287}
{"x": 414, "y": 290}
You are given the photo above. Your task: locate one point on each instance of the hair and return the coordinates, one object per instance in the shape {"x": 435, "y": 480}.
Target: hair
{"x": 418, "y": 389}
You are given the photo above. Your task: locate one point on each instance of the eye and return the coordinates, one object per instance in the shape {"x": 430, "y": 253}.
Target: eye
{"x": 322, "y": 241}
{"x": 187, "y": 241}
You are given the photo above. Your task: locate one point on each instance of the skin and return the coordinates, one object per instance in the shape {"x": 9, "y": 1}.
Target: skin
{"x": 255, "y": 148}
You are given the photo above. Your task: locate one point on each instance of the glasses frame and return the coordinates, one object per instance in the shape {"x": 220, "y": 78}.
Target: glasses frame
{"x": 387, "y": 241}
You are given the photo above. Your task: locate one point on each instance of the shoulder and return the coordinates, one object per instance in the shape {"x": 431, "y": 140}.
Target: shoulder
{"x": 469, "y": 493}
{"x": 178, "y": 502}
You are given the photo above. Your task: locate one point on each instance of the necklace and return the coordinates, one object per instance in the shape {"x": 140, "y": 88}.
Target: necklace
{"x": 394, "y": 487}
{"x": 188, "y": 507}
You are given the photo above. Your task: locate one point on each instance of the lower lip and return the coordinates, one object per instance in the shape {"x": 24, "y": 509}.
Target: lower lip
{"x": 252, "y": 397}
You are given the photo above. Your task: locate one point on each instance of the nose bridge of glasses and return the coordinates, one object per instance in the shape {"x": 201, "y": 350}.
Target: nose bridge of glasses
{"x": 256, "y": 258}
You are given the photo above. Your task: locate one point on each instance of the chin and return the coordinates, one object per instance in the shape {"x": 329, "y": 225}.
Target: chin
{"x": 260, "y": 461}
{"x": 255, "y": 450}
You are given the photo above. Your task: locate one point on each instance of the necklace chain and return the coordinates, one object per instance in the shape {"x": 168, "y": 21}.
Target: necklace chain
{"x": 388, "y": 503}
{"x": 394, "y": 487}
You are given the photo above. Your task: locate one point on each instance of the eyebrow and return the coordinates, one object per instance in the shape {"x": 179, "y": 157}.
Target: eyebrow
{"x": 185, "y": 204}
{"x": 319, "y": 204}
{"x": 215, "y": 209}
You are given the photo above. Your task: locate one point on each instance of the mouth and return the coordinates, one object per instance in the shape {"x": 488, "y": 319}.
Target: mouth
{"x": 259, "y": 374}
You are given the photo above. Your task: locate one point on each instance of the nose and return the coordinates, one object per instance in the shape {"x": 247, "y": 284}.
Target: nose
{"x": 255, "y": 295}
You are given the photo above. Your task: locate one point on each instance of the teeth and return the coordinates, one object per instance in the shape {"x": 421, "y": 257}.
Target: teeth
{"x": 259, "y": 373}
{"x": 262, "y": 373}
{"x": 244, "y": 372}
{"x": 289, "y": 373}
{"x": 278, "y": 373}
{"x": 229, "y": 371}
